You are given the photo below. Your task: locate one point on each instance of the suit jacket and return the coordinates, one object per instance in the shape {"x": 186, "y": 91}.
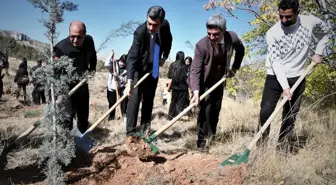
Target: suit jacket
{"x": 138, "y": 55}
{"x": 201, "y": 65}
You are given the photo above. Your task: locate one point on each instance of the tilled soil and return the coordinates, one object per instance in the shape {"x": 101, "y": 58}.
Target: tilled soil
{"x": 122, "y": 168}
{"x": 139, "y": 148}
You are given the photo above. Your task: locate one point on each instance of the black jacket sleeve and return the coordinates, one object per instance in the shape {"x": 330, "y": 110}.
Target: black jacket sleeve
{"x": 133, "y": 56}
{"x": 93, "y": 59}
{"x": 169, "y": 38}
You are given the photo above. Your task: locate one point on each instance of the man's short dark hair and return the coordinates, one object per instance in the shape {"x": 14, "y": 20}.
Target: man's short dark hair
{"x": 289, "y": 4}
{"x": 156, "y": 12}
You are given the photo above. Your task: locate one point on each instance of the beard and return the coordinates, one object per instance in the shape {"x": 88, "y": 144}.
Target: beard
{"x": 288, "y": 23}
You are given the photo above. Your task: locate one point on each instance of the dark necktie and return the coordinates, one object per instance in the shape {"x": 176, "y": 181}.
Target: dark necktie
{"x": 220, "y": 47}
{"x": 155, "y": 55}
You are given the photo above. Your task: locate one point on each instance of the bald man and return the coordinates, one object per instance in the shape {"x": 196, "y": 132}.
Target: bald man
{"x": 80, "y": 47}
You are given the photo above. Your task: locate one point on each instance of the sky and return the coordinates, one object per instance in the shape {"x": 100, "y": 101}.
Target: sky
{"x": 187, "y": 20}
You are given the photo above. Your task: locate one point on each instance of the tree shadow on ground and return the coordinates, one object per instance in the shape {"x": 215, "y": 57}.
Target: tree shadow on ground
{"x": 159, "y": 114}
{"x": 293, "y": 144}
{"x": 155, "y": 159}
{"x": 98, "y": 135}
{"x": 22, "y": 175}
{"x": 81, "y": 166}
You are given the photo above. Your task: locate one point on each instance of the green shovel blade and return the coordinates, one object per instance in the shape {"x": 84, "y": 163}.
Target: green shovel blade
{"x": 236, "y": 159}
{"x": 154, "y": 149}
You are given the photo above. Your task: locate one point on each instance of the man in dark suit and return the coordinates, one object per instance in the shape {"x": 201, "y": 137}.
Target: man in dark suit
{"x": 211, "y": 62}
{"x": 80, "y": 47}
{"x": 150, "y": 48}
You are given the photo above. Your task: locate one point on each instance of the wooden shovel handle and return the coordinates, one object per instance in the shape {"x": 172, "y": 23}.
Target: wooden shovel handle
{"x": 116, "y": 85}
{"x": 37, "y": 123}
{"x": 172, "y": 122}
{"x": 114, "y": 106}
{"x": 278, "y": 108}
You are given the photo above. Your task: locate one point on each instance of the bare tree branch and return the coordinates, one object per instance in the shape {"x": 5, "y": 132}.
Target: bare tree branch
{"x": 125, "y": 29}
{"x": 231, "y": 14}
{"x": 189, "y": 45}
{"x": 257, "y": 15}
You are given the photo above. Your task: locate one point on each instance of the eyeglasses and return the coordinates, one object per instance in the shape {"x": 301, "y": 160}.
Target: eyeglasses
{"x": 76, "y": 36}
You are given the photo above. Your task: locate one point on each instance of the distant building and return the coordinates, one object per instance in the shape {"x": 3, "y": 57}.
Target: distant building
{"x": 16, "y": 35}
{"x": 19, "y": 36}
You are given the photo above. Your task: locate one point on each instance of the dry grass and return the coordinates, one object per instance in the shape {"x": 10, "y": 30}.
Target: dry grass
{"x": 315, "y": 163}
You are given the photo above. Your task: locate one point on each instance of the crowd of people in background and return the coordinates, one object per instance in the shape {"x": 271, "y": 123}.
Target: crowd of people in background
{"x": 23, "y": 77}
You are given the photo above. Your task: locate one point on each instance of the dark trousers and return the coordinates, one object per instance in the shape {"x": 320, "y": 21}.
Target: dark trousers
{"x": 79, "y": 105}
{"x": 38, "y": 95}
{"x": 179, "y": 101}
{"x": 145, "y": 93}
{"x": 209, "y": 115}
{"x": 271, "y": 95}
{"x": 112, "y": 99}
{"x": 23, "y": 87}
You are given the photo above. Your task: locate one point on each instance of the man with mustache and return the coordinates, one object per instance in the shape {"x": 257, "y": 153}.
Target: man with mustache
{"x": 80, "y": 47}
{"x": 288, "y": 46}
{"x": 211, "y": 62}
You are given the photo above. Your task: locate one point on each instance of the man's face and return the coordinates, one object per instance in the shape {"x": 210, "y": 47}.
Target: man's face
{"x": 153, "y": 26}
{"x": 215, "y": 35}
{"x": 76, "y": 37}
{"x": 288, "y": 17}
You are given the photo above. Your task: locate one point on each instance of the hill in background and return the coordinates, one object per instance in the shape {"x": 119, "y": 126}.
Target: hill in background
{"x": 20, "y": 45}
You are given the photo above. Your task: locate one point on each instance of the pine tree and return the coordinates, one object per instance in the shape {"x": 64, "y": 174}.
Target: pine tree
{"x": 59, "y": 147}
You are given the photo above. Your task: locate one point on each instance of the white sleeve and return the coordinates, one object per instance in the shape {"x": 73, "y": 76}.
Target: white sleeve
{"x": 108, "y": 62}
{"x": 275, "y": 60}
{"x": 322, "y": 32}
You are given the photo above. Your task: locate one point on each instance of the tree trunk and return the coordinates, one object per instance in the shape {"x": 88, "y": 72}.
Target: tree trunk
{"x": 53, "y": 103}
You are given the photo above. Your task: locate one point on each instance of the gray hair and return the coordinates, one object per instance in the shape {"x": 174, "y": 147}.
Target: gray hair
{"x": 156, "y": 12}
{"x": 216, "y": 21}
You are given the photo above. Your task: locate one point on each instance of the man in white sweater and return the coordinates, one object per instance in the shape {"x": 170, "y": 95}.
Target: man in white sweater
{"x": 288, "y": 46}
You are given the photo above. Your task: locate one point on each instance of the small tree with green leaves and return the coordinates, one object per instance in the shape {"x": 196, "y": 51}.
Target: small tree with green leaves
{"x": 58, "y": 148}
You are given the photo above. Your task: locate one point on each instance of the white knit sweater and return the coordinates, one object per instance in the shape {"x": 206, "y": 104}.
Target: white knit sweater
{"x": 288, "y": 47}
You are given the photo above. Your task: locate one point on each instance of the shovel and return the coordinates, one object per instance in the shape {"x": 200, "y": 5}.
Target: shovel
{"x": 83, "y": 141}
{"x": 237, "y": 159}
{"x": 11, "y": 146}
{"x": 154, "y": 136}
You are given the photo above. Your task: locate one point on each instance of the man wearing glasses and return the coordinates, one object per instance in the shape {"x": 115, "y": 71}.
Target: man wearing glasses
{"x": 80, "y": 47}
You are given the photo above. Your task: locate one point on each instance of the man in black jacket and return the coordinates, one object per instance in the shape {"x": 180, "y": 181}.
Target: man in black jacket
{"x": 151, "y": 46}
{"x": 80, "y": 47}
